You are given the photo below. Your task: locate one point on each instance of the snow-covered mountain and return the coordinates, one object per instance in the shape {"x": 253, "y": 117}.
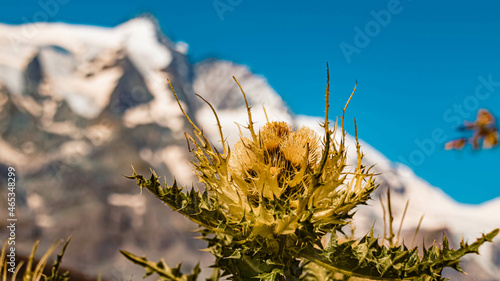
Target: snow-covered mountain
{"x": 80, "y": 104}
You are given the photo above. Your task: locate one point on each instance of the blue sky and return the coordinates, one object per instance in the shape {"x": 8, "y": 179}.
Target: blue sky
{"x": 422, "y": 66}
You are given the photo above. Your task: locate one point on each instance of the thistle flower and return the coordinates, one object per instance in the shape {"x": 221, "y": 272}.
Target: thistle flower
{"x": 280, "y": 177}
{"x": 273, "y": 134}
{"x": 301, "y": 144}
{"x": 271, "y": 198}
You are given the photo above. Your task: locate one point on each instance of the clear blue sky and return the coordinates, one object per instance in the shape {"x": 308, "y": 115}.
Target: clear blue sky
{"x": 418, "y": 72}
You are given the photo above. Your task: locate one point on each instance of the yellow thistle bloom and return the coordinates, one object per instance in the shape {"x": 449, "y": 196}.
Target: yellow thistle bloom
{"x": 271, "y": 198}
{"x": 280, "y": 176}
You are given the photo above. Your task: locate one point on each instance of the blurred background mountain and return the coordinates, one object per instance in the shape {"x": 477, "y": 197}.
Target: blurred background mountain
{"x": 80, "y": 104}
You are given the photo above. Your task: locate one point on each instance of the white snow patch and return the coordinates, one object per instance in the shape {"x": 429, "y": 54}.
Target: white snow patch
{"x": 135, "y": 201}
{"x": 87, "y": 96}
{"x": 182, "y": 47}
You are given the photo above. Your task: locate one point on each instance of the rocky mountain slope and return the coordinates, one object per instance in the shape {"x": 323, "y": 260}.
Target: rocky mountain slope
{"x": 80, "y": 104}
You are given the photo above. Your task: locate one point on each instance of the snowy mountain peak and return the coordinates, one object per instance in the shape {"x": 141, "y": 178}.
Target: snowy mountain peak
{"x": 81, "y": 64}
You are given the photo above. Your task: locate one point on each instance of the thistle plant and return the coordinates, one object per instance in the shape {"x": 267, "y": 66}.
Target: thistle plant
{"x": 275, "y": 204}
{"x": 36, "y": 273}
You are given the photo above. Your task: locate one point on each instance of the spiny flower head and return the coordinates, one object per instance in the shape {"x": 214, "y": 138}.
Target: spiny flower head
{"x": 280, "y": 178}
{"x": 282, "y": 149}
